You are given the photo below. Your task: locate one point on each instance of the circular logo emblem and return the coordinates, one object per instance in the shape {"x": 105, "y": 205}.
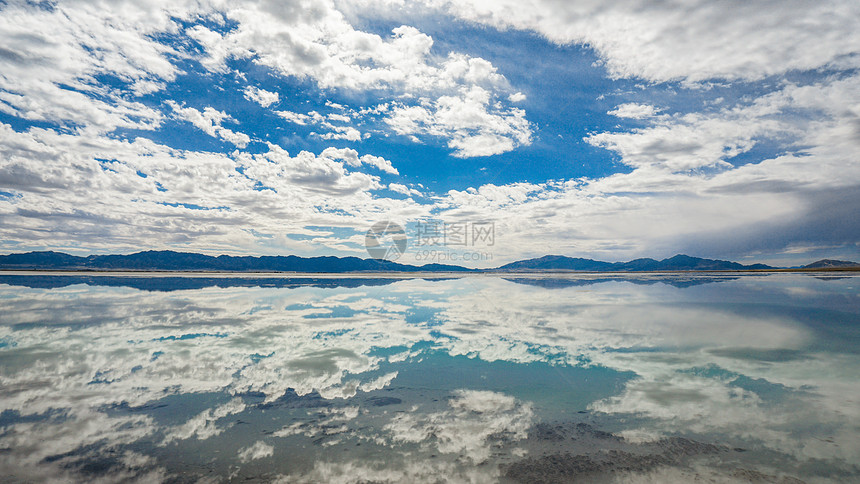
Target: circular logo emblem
{"x": 385, "y": 240}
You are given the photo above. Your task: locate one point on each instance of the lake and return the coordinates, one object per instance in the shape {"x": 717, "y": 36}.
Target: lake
{"x": 518, "y": 378}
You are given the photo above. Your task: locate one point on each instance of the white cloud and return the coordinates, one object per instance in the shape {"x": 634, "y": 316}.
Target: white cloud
{"x": 334, "y": 132}
{"x": 634, "y": 111}
{"x": 324, "y": 173}
{"x": 400, "y": 188}
{"x": 299, "y": 118}
{"x": 379, "y": 163}
{"x": 340, "y": 132}
{"x": 695, "y": 42}
{"x": 351, "y": 158}
{"x": 261, "y": 96}
{"x": 517, "y": 97}
{"x": 339, "y": 117}
{"x": 472, "y": 125}
{"x": 209, "y": 121}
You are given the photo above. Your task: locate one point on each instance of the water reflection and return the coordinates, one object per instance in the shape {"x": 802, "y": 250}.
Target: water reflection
{"x": 178, "y": 283}
{"x": 480, "y": 379}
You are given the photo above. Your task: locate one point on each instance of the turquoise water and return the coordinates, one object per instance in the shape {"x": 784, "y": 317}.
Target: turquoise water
{"x": 651, "y": 378}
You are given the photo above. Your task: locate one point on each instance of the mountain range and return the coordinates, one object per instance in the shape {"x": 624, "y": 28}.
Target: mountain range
{"x": 188, "y": 261}
{"x": 831, "y": 264}
{"x": 168, "y": 260}
{"x": 677, "y": 263}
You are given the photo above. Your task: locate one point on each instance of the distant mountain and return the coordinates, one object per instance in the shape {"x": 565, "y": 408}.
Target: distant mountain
{"x": 167, "y": 260}
{"x": 637, "y": 265}
{"x": 677, "y": 263}
{"x": 831, "y": 264}
{"x": 557, "y": 262}
{"x": 684, "y": 263}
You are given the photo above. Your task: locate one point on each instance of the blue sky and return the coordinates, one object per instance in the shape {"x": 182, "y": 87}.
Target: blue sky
{"x": 589, "y": 129}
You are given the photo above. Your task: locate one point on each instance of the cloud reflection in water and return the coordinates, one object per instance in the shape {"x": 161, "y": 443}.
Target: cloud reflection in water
{"x": 442, "y": 376}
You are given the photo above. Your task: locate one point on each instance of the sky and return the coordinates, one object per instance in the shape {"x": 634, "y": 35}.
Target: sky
{"x": 600, "y": 129}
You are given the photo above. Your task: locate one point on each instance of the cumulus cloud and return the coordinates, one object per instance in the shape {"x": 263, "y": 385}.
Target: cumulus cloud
{"x": 517, "y": 97}
{"x": 325, "y": 173}
{"x": 322, "y": 45}
{"x": 261, "y": 96}
{"x": 379, "y": 163}
{"x": 301, "y": 119}
{"x": 334, "y": 131}
{"x": 209, "y": 121}
{"x": 400, "y": 188}
{"x": 472, "y": 126}
{"x": 341, "y": 132}
{"x": 634, "y": 111}
{"x": 351, "y": 158}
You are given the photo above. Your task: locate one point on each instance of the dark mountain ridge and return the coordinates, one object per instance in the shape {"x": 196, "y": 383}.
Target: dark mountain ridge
{"x": 169, "y": 260}
{"x": 831, "y": 264}
{"x": 679, "y": 262}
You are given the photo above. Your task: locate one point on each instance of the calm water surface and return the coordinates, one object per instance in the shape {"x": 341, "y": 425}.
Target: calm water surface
{"x": 645, "y": 378}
